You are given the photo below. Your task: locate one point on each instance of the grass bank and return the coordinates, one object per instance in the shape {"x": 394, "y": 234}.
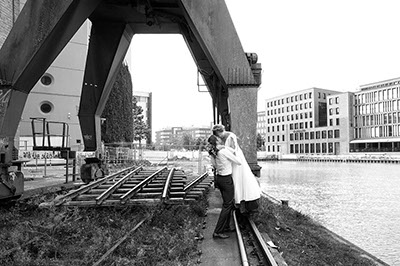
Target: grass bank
{"x": 31, "y": 235}
{"x": 302, "y": 241}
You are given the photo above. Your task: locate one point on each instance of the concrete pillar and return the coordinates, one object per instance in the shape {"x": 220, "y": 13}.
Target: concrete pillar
{"x": 243, "y": 110}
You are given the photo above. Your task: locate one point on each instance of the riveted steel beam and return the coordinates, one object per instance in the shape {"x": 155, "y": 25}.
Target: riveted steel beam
{"x": 109, "y": 42}
{"x": 41, "y": 31}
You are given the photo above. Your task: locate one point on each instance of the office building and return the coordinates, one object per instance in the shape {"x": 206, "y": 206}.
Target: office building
{"x": 377, "y": 117}
{"x": 322, "y": 122}
{"x": 261, "y": 125}
{"x": 308, "y": 122}
{"x": 174, "y": 135}
{"x": 145, "y": 100}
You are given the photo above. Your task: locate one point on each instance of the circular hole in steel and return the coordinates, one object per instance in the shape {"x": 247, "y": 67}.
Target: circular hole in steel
{"x": 46, "y": 107}
{"x": 46, "y": 79}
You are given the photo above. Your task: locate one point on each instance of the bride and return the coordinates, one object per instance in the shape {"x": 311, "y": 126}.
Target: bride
{"x": 247, "y": 188}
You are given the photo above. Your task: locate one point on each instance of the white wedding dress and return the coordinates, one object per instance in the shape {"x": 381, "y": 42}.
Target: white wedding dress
{"x": 246, "y": 184}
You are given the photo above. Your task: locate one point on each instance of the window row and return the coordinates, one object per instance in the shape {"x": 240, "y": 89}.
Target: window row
{"x": 336, "y": 111}
{"x": 377, "y": 132}
{"x": 290, "y": 117}
{"x": 277, "y": 128}
{"x": 330, "y": 134}
{"x": 314, "y": 147}
{"x": 301, "y": 125}
{"x": 290, "y": 108}
{"x": 381, "y": 95}
{"x": 278, "y": 138}
{"x": 261, "y": 131}
{"x": 337, "y": 122}
{"x": 332, "y": 102}
{"x": 291, "y": 99}
{"x": 275, "y": 120}
{"x": 381, "y": 107}
{"x": 372, "y": 120}
{"x": 271, "y": 148}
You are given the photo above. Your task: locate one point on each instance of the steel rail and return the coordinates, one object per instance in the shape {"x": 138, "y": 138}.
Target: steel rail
{"x": 89, "y": 186}
{"x": 110, "y": 190}
{"x": 242, "y": 249}
{"x": 167, "y": 184}
{"x": 195, "y": 181}
{"x": 261, "y": 244}
{"x": 119, "y": 242}
{"x": 124, "y": 198}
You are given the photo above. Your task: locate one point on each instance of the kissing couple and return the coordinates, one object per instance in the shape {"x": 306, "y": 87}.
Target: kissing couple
{"x": 233, "y": 177}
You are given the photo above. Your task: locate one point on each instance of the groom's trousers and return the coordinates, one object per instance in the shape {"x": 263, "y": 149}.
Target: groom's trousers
{"x": 225, "y": 185}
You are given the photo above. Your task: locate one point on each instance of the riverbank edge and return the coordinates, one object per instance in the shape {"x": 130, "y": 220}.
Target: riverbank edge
{"x": 332, "y": 234}
{"x": 337, "y": 160}
{"x": 361, "y": 157}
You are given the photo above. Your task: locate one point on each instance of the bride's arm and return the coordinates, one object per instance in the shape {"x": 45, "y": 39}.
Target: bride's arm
{"x": 219, "y": 147}
{"x": 230, "y": 149}
{"x": 232, "y": 157}
{"x": 231, "y": 142}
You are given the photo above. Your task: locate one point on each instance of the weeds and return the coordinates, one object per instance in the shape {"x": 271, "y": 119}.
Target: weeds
{"x": 301, "y": 240}
{"x": 80, "y": 236}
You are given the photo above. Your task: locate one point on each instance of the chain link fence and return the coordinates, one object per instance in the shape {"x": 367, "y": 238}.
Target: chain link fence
{"x": 190, "y": 158}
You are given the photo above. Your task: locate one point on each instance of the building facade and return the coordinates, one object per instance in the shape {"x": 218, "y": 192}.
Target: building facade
{"x": 174, "y": 135}
{"x": 261, "y": 129}
{"x": 324, "y": 122}
{"x": 261, "y": 124}
{"x": 307, "y": 122}
{"x": 145, "y": 100}
{"x": 377, "y": 117}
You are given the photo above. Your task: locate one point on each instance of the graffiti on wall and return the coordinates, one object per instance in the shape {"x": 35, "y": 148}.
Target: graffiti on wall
{"x": 40, "y": 154}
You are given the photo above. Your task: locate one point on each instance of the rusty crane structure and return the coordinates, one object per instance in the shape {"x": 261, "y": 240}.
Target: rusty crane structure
{"x": 44, "y": 27}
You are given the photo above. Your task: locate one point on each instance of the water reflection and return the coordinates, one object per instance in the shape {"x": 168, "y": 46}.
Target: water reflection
{"x": 357, "y": 201}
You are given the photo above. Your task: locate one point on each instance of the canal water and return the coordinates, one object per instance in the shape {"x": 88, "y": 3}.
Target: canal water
{"x": 358, "y": 201}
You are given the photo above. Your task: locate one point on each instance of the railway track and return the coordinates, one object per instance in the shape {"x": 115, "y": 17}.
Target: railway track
{"x": 252, "y": 246}
{"x": 138, "y": 186}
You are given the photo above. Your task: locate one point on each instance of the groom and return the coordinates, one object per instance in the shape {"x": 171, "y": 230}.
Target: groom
{"x": 222, "y": 160}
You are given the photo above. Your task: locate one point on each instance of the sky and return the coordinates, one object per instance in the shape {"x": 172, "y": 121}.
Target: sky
{"x": 336, "y": 45}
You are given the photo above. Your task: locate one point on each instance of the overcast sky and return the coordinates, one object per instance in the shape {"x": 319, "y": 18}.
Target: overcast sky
{"x": 337, "y": 45}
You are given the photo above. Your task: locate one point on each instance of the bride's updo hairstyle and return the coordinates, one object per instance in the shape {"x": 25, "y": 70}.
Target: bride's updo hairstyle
{"x": 212, "y": 145}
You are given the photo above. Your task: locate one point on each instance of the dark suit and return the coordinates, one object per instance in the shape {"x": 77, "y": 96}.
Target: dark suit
{"x": 225, "y": 185}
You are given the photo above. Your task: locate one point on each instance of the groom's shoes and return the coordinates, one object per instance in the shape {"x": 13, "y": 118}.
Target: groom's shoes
{"x": 223, "y": 236}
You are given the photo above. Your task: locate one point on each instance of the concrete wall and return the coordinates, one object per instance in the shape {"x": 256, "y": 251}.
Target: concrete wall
{"x": 63, "y": 94}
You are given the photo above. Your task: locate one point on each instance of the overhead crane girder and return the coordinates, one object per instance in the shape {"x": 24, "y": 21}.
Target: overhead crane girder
{"x": 44, "y": 28}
